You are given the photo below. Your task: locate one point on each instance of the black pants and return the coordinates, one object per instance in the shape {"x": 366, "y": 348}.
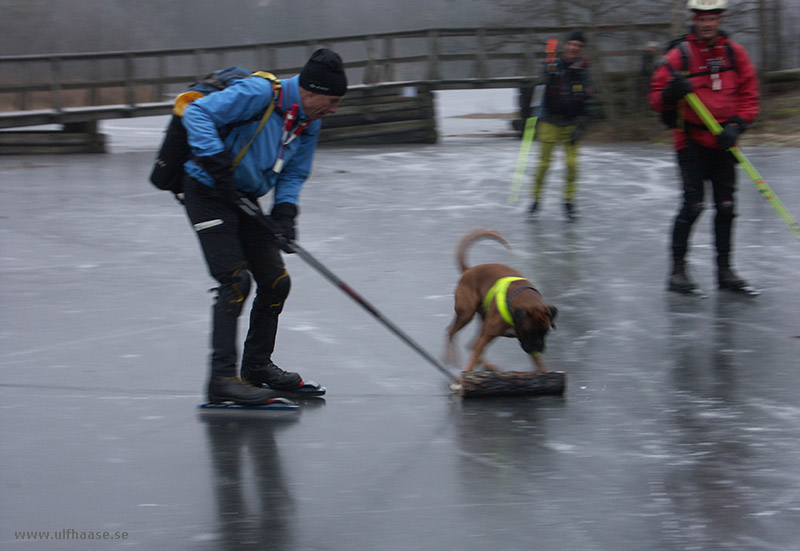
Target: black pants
{"x": 698, "y": 164}
{"x": 236, "y": 247}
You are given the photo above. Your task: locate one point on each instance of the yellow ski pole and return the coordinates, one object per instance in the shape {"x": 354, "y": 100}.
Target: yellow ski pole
{"x": 766, "y": 192}
{"x": 522, "y": 159}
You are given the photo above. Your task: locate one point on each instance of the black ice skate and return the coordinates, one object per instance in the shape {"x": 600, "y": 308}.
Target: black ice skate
{"x": 679, "y": 282}
{"x": 728, "y": 280}
{"x": 571, "y": 210}
{"x": 271, "y": 376}
{"x": 227, "y": 390}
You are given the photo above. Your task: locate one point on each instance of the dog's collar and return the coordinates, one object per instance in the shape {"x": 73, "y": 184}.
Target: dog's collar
{"x": 513, "y": 293}
{"x": 500, "y": 290}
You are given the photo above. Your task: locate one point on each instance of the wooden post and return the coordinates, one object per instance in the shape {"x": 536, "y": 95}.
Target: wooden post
{"x": 162, "y": 74}
{"x": 199, "y": 70}
{"x": 266, "y": 58}
{"x": 371, "y": 75}
{"x": 55, "y": 84}
{"x": 480, "y": 56}
{"x": 24, "y": 96}
{"x": 605, "y": 95}
{"x": 678, "y": 21}
{"x": 529, "y": 66}
{"x": 433, "y": 55}
{"x": 272, "y": 60}
{"x": 388, "y": 54}
{"x": 95, "y": 72}
{"x": 130, "y": 85}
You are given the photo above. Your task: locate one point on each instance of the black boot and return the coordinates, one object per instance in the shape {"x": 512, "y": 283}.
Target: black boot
{"x": 571, "y": 210}
{"x": 271, "y": 375}
{"x": 728, "y": 280}
{"x": 679, "y": 281}
{"x": 534, "y": 208}
{"x": 233, "y": 389}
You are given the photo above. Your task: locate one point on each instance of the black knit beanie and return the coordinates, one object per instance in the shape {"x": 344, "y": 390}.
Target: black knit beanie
{"x": 577, "y": 35}
{"x": 323, "y": 73}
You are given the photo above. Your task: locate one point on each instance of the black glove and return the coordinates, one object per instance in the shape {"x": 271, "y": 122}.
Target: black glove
{"x": 578, "y": 132}
{"x": 218, "y": 167}
{"x": 678, "y": 87}
{"x": 283, "y": 214}
{"x": 730, "y": 133}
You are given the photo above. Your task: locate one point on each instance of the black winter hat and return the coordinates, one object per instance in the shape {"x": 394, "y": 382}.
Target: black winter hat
{"x": 323, "y": 73}
{"x": 577, "y": 35}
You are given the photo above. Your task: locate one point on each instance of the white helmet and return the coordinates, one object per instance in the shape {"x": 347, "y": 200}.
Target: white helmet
{"x": 706, "y": 5}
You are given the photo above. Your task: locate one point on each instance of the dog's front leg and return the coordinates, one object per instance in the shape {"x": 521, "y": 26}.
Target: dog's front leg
{"x": 477, "y": 352}
{"x": 538, "y": 362}
{"x": 489, "y": 367}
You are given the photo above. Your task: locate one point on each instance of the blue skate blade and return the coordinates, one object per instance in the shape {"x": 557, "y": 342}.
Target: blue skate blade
{"x": 279, "y": 406}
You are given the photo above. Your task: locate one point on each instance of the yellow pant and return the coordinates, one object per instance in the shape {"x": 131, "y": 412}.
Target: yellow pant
{"x": 548, "y": 136}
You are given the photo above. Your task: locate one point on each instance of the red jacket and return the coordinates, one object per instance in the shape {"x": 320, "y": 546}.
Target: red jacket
{"x": 736, "y": 94}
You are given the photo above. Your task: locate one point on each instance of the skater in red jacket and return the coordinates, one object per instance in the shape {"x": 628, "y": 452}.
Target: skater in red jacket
{"x": 720, "y": 73}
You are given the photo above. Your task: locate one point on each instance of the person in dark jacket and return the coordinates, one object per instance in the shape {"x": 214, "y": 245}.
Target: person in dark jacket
{"x": 237, "y": 249}
{"x": 565, "y": 112}
{"x": 721, "y": 74}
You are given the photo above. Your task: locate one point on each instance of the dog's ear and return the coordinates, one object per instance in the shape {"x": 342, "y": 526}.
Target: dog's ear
{"x": 553, "y": 313}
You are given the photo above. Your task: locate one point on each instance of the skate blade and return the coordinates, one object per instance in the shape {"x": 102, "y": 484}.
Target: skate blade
{"x": 697, "y": 293}
{"x": 746, "y": 291}
{"x": 278, "y": 407}
{"x": 309, "y": 388}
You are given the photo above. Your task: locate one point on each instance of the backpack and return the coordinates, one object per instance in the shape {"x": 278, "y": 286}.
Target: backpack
{"x": 670, "y": 117}
{"x": 167, "y": 173}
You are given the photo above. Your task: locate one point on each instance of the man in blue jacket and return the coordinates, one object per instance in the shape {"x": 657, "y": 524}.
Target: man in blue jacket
{"x": 237, "y": 249}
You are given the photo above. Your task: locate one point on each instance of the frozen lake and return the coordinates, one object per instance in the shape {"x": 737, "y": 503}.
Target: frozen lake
{"x": 679, "y": 428}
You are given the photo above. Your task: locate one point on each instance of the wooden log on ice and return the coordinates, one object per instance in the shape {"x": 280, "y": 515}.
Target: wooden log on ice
{"x": 509, "y": 383}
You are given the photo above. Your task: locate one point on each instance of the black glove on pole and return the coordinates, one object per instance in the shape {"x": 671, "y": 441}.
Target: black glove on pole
{"x": 284, "y": 214}
{"x": 218, "y": 167}
{"x": 677, "y": 88}
{"x": 730, "y": 132}
{"x": 578, "y": 132}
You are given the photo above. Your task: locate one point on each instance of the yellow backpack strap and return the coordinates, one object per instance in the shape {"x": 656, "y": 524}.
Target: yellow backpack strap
{"x": 276, "y": 83}
{"x": 276, "y": 86}
{"x": 498, "y": 291}
{"x": 264, "y": 120}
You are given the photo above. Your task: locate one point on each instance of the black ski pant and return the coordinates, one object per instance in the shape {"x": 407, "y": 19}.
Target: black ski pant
{"x": 697, "y": 165}
{"x": 237, "y": 249}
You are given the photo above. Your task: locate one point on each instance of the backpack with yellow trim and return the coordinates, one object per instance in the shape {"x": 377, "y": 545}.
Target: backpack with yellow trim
{"x": 167, "y": 173}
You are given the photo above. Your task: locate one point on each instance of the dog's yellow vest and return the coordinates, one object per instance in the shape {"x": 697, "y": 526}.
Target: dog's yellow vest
{"x": 499, "y": 290}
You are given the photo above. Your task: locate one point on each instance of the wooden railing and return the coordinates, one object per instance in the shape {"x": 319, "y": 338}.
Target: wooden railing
{"x": 83, "y": 87}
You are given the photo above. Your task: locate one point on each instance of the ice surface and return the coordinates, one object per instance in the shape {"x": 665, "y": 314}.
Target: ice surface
{"x": 678, "y": 430}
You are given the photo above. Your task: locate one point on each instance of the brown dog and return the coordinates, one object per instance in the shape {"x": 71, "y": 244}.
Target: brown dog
{"x": 507, "y": 303}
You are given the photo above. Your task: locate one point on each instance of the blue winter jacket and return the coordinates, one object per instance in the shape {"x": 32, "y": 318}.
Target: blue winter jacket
{"x": 206, "y": 120}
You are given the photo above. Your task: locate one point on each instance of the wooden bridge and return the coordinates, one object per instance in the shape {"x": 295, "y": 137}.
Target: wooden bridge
{"x": 392, "y": 76}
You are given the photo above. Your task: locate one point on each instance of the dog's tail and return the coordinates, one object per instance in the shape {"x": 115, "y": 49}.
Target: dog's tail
{"x": 461, "y": 251}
